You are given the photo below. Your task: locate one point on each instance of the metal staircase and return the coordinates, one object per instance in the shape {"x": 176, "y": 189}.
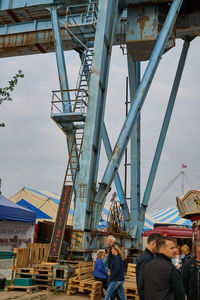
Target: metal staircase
{"x": 80, "y": 30}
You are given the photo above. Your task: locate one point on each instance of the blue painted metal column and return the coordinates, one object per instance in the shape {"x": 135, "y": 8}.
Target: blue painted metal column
{"x": 105, "y": 29}
{"x": 161, "y": 140}
{"x": 62, "y": 73}
{"x": 117, "y": 180}
{"x": 134, "y": 111}
{"x": 134, "y": 80}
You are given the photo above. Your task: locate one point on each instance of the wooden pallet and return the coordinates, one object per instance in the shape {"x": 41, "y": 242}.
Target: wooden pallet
{"x": 43, "y": 274}
{"x": 84, "y": 282}
{"x": 29, "y": 289}
{"x": 24, "y": 272}
{"x": 131, "y": 270}
{"x": 44, "y": 287}
{"x": 25, "y": 258}
{"x": 130, "y": 286}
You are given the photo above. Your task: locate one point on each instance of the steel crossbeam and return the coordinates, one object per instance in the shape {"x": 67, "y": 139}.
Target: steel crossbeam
{"x": 161, "y": 141}
{"x": 62, "y": 73}
{"x": 134, "y": 80}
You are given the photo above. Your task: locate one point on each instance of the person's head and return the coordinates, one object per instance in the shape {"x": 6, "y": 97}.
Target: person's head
{"x": 101, "y": 254}
{"x": 166, "y": 246}
{"x": 197, "y": 250}
{"x": 178, "y": 250}
{"x": 117, "y": 250}
{"x": 185, "y": 249}
{"x": 151, "y": 242}
{"x": 110, "y": 240}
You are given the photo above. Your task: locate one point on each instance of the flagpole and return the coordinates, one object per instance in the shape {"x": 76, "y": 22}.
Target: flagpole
{"x": 182, "y": 177}
{"x": 182, "y": 184}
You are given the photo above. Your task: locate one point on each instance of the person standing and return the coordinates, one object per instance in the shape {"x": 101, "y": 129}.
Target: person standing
{"x": 145, "y": 258}
{"x": 110, "y": 240}
{"x": 161, "y": 278}
{"x": 190, "y": 278}
{"x": 190, "y": 274}
{"x": 116, "y": 274}
{"x": 185, "y": 253}
{"x": 177, "y": 260}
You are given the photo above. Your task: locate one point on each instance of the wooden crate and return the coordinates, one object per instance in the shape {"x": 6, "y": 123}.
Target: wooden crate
{"x": 84, "y": 282}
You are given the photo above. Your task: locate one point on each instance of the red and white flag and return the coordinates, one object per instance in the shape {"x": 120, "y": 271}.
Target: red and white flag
{"x": 183, "y": 166}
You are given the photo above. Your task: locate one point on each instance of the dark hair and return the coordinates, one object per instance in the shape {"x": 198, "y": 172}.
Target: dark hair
{"x": 153, "y": 237}
{"x": 162, "y": 241}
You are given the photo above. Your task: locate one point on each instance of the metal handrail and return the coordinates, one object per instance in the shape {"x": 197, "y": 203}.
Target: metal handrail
{"x": 72, "y": 101}
{"x": 92, "y": 13}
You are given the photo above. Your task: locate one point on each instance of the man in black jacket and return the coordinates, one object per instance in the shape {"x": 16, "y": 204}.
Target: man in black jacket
{"x": 190, "y": 278}
{"x": 161, "y": 278}
{"x": 190, "y": 275}
{"x": 145, "y": 258}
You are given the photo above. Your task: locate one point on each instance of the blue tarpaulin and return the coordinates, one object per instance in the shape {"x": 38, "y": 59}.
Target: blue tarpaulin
{"x": 12, "y": 211}
{"x": 39, "y": 213}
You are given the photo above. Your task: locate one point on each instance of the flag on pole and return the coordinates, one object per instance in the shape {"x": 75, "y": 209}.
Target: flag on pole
{"x": 183, "y": 166}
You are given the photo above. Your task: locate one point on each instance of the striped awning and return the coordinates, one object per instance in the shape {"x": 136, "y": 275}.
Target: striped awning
{"x": 169, "y": 216}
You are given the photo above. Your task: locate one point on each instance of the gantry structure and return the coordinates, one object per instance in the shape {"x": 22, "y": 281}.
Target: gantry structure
{"x": 145, "y": 30}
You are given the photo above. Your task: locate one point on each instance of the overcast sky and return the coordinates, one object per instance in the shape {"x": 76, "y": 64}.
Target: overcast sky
{"x": 33, "y": 150}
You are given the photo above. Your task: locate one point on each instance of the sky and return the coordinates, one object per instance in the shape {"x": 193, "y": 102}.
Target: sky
{"x": 33, "y": 151}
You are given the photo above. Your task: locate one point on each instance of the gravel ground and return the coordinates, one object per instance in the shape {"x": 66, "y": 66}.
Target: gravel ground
{"x": 43, "y": 295}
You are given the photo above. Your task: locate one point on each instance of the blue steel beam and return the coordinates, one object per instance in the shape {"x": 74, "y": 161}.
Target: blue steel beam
{"x": 35, "y": 37}
{"x": 161, "y": 140}
{"x": 63, "y": 79}
{"x": 134, "y": 111}
{"x": 105, "y": 29}
{"x": 117, "y": 180}
{"x": 16, "y": 4}
{"x": 62, "y": 73}
{"x": 188, "y": 24}
{"x": 134, "y": 80}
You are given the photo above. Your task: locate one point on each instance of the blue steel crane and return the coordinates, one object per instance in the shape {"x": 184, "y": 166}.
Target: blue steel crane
{"x": 145, "y": 29}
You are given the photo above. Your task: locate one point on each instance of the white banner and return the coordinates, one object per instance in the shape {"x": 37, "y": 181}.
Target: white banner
{"x": 15, "y": 234}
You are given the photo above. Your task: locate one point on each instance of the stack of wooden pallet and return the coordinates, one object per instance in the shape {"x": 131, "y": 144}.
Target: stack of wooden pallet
{"x": 43, "y": 274}
{"x": 27, "y": 273}
{"x": 23, "y": 280}
{"x": 130, "y": 285}
{"x": 84, "y": 282}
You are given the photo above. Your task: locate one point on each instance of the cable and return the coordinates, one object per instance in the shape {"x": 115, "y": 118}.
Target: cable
{"x": 158, "y": 197}
{"x": 188, "y": 182}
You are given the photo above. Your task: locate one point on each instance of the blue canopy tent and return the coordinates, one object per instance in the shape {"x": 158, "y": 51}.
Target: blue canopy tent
{"x": 12, "y": 212}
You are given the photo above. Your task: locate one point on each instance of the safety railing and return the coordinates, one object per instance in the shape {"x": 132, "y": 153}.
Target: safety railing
{"x": 87, "y": 14}
{"x": 66, "y": 101}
